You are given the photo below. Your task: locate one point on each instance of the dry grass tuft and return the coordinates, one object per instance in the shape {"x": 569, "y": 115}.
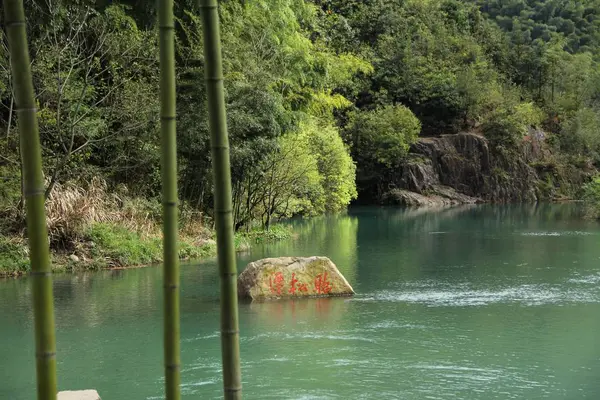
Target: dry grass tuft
{"x": 194, "y": 224}
{"x": 72, "y": 208}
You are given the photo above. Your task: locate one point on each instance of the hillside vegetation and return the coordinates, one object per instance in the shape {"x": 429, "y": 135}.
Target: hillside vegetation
{"x": 326, "y": 102}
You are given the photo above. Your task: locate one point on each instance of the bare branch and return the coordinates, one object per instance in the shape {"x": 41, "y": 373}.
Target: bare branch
{"x": 71, "y": 39}
{"x": 9, "y": 160}
{"x": 96, "y": 104}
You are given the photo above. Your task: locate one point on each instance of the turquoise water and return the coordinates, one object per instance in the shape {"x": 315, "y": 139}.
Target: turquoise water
{"x": 467, "y": 303}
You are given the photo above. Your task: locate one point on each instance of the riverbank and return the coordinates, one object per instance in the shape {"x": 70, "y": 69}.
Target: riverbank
{"x": 94, "y": 227}
{"x": 111, "y": 246}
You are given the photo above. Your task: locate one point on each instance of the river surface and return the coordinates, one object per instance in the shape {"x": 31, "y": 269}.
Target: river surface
{"x": 481, "y": 302}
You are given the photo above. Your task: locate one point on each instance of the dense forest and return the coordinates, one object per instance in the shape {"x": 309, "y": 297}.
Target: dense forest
{"x": 327, "y": 101}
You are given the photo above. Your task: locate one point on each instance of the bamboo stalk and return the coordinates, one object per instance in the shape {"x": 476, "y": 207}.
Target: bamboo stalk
{"x": 169, "y": 187}
{"x": 33, "y": 178}
{"x": 230, "y": 348}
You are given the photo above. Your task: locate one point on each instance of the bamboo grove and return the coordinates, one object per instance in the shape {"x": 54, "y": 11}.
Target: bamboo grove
{"x": 35, "y": 197}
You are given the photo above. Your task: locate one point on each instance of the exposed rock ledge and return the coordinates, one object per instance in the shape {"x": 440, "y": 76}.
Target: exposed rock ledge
{"x": 437, "y": 196}
{"x": 461, "y": 169}
{"x": 285, "y": 277}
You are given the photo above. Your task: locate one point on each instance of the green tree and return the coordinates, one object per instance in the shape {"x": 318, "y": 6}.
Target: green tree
{"x": 335, "y": 165}
{"x": 96, "y": 82}
{"x": 275, "y": 76}
{"x": 380, "y": 141}
{"x": 291, "y": 182}
{"x": 383, "y": 136}
{"x": 509, "y": 123}
{"x": 309, "y": 173}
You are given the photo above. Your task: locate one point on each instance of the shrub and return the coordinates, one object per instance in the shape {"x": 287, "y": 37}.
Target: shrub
{"x": 591, "y": 196}
{"x": 13, "y": 256}
{"x": 581, "y": 133}
{"x": 508, "y": 124}
{"x": 274, "y": 233}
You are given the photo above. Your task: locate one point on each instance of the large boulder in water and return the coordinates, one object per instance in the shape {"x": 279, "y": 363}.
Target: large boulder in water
{"x": 78, "y": 395}
{"x": 273, "y": 278}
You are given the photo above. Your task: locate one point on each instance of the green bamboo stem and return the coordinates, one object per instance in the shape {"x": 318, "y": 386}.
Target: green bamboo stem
{"x": 230, "y": 347}
{"x": 33, "y": 181}
{"x": 169, "y": 185}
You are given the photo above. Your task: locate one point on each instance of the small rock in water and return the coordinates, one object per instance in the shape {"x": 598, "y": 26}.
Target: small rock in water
{"x": 78, "y": 395}
{"x": 274, "y": 278}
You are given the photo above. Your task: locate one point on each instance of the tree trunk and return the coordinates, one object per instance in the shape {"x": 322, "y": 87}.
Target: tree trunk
{"x": 33, "y": 184}
{"x": 169, "y": 192}
{"x": 232, "y": 376}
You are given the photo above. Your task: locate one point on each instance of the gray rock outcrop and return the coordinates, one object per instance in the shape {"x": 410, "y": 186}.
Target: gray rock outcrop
{"x": 459, "y": 169}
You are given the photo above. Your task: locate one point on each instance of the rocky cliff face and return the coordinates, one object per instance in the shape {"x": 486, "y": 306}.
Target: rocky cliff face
{"x": 463, "y": 168}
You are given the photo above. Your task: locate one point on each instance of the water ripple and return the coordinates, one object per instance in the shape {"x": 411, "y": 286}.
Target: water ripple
{"x": 529, "y": 295}
{"x": 591, "y": 279}
{"x": 306, "y": 335}
{"x": 563, "y": 233}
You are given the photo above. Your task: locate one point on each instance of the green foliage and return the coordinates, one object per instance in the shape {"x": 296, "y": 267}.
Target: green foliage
{"x": 112, "y": 245}
{"x": 10, "y": 187}
{"x": 383, "y": 136}
{"x": 580, "y": 134}
{"x": 508, "y": 124}
{"x": 14, "y": 257}
{"x": 96, "y": 79}
{"x": 419, "y": 51}
{"x": 309, "y": 173}
{"x": 122, "y": 246}
{"x": 298, "y": 72}
{"x": 592, "y": 196}
{"x": 290, "y": 182}
{"x": 190, "y": 251}
{"x": 335, "y": 166}
{"x": 274, "y": 75}
{"x": 554, "y": 59}
{"x": 480, "y": 91}
{"x": 578, "y": 21}
{"x": 380, "y": 140}
{"x": 274, "y": 233}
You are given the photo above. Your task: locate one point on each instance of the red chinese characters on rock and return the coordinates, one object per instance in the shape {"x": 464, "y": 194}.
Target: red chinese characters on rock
{"x": 276, "y": 285}
{"x": 303, "y": 287}
{"x": 297, "y": 286}
{"x": 293, "y": 282}
{"x": 322, "y": 285}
